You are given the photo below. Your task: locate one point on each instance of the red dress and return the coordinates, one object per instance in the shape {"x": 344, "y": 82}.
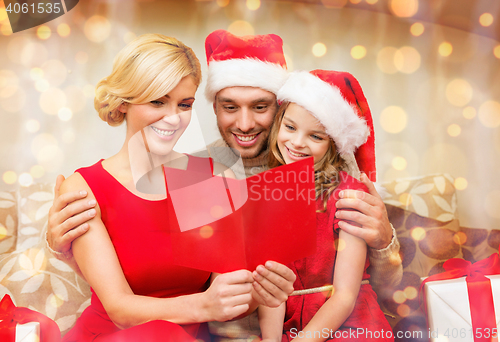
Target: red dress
{"x": 317, "y": 270}
{"x": 140, "y": 234}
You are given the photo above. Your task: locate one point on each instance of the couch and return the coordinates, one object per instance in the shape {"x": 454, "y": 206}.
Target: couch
{"x": 421, "y": 209}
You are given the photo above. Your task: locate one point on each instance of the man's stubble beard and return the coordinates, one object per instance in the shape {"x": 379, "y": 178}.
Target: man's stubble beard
{"x": 261, "y": 148}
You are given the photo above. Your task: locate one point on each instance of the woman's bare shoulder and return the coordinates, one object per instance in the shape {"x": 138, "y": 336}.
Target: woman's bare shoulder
{"x": 75, "y": 182}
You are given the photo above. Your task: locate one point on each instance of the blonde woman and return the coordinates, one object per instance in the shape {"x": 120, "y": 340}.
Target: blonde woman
{"x": 137, "y": 292}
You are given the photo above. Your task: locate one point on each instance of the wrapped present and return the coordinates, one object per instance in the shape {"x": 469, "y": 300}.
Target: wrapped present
{"x": 19, "y": 324}
{"x": 29, "y": 332}
{"x": 463, "y": 303}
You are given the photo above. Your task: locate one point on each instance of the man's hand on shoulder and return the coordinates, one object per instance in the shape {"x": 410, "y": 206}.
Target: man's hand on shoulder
{"x": 369, "y": 217}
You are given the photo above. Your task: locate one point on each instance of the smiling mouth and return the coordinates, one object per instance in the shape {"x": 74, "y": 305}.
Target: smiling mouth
{"x": 162, "y": 132}
{"x": 245, "y": 138}
{"x": 295, "y": 154}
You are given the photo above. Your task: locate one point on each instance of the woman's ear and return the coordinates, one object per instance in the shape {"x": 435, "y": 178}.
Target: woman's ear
{"x": 123, "y": 107}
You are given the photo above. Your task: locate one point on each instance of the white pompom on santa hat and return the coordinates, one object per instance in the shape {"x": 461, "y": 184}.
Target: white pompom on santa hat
{"x": 247, "y": 61}
{"x": 336, "y": 99}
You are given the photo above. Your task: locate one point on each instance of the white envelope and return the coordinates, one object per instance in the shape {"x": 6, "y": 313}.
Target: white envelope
{"x": 29, "y": 332}
{"x": 449, "y": 312}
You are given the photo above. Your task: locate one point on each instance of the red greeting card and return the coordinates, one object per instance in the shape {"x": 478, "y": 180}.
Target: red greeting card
{"x": 221, "y": 225}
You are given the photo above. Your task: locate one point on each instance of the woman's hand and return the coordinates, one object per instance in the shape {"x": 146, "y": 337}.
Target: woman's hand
{"x": 229, "y": 296}
{"x": 273, "y": 284}
{"x": 370, "y": 221}
{"x": 68, "y": 218}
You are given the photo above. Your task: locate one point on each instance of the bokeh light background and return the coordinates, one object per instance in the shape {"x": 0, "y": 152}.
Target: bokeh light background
{"x": 430, "y": 71}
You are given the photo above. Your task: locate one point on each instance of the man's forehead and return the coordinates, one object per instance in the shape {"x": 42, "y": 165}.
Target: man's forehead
{"x": 246, "y": 94}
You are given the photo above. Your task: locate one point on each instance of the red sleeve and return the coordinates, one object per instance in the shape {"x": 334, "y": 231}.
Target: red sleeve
{"x": 346, "y": 182}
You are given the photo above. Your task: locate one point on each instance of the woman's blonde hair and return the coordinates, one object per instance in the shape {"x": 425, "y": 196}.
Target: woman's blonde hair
{"x": 145, "y": 70}
{"x": 326, "y": 170}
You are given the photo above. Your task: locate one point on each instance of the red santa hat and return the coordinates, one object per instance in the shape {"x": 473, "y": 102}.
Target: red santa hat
{"x": 252, "y": 61}
{"x": 336, "y": 99}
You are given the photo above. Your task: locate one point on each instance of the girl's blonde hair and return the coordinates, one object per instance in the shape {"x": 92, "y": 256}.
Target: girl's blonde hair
{"x": 326, "y": 170}
{"x": 145, "y": 70}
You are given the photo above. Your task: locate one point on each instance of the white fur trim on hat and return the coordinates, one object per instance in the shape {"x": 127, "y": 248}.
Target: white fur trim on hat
{"x": 247, "y": 72}
{"x": 327, "y": 105}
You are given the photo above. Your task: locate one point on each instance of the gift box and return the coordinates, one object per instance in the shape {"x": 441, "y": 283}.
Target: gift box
{"x": 18, "y": 324}
{"x": 29, "y": 332}
{"x": 463, "y": 303}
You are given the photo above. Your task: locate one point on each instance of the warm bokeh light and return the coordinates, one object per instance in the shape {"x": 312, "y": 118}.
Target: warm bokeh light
{"x": 486, "y": 19}
{"x": 68, "y": 136}
{"x": 319, "y": 49}
{"x": 52, "y": 100}
{"x": 206, "y": 232}
{"x": 253, "y": 5}
{"x": 63, "y": 30}
{"x": 385, "y": 60}
{"x": 371, "y": 2}
{"x": 355, "y": 1}
{"x": 334, "y": 3}
{"x": 492, "y": 203}
{"x": 15, "y": 102}
{"x": 410, "y": 292}
{"x": 461, "y": 183}
{"x": 469, "y": 112}
{"x": 403, "y": 310}
{"x": 460, "y": 238}
{"x": 55, "y": 72}
{"x": 418, "y": 233}
{"x": 496, "y": 51}
{"x": 9, "y": 177}
{"x": 128, "y": 37}
{"x": 81, "y": 57}
{"x": 28, "y": 52}
{"x": 403, "y": 8}
{"x": 42, "y": 85}
{"x": 216, "y": 211}
{"x": 399, "y": 163}
{"x": 55, "y": 300}
{"x": 445, "y": 158}
{"x": 25, "y": 179}
{"x": 222, "y": 3}
{"x": 3, "y": 232}
{"x": 417, "y": 29}
{"x": 241, "y": 28}
{"x": 89, "y": 91}
{"x": 9, "y": 83}
{"x": 97, "y": 29}
{"x": 445, "y": 49}
{"x": 393, "y": 119}
{"x": 37, "y": 171}
{"x": 399, "y": 297}
{"x": 32, "y": 126}
{"x": 5, "y": 29}
{"x": 459, "y": 92}
{"x": 36, "y": 74}
{"x": 454, "y": 130}
{"x": 407, "y": 60}
{"x": 65, "y": 114}
{"x": 358, "y": 52}
{"x": 339, "y": 244}
{"x": 489, "y": 114}
{"x": 405, "y": 199}
{"x": 43, "y": 32}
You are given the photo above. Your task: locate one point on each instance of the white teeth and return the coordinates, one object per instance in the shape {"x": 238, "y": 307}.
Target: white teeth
{"x": 246, "y": 137}
{"x": 162, "y": 132}
{"x": 297, "y": 154}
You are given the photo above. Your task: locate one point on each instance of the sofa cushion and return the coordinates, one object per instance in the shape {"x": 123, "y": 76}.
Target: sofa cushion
{"x": 430, "y": 196}
{"x": 34, "y": 204}
{"x": 8, "y": 221}
{"x": 36, "y": 280}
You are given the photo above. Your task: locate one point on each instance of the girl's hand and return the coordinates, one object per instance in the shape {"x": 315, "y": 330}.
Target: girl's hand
{"x": 67, "y": 218}
{"x": 370, "y": 216}
{"x": 229, "y": 296}
{"x": 273, "y": 284}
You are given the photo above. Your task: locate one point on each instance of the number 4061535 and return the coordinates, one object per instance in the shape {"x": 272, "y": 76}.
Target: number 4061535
{"x": 40, "y": 8}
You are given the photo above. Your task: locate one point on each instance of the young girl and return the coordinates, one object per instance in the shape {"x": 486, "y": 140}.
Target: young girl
{"x": 324, "y": 115}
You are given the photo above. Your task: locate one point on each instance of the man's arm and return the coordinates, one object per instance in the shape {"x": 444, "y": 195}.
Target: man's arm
{"x": 372, "y": 225}
{"x": 68, "y": 218}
